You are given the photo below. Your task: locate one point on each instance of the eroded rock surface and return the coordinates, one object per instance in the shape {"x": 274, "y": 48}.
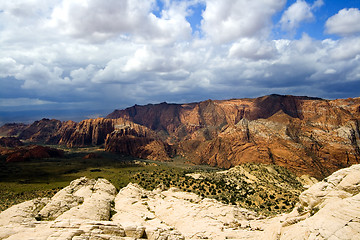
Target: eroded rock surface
{"x": 329, "y": 209}
{"x": 306, "y": 135}
{"x": 92, "y": 209}
{"x": 83, "y": 210}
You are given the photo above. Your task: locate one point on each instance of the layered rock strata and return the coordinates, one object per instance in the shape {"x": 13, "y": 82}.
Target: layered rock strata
{"x": 306, "y": 135}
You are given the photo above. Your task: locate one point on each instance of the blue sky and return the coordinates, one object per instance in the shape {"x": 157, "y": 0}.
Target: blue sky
{"x": 77, "y": 59}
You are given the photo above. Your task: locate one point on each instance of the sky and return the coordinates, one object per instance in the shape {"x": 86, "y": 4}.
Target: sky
{"x": 76, "y": 59}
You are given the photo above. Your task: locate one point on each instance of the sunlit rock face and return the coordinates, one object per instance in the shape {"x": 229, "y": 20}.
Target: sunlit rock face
{"x": 329, "y": 209}
{"x": 306, "y": 135}
{"x": 93, "y": 209}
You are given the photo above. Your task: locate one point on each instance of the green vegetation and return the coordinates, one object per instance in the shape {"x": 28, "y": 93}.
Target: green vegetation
{"x": 268, "y": 189}
{"x": 43, "y": 178}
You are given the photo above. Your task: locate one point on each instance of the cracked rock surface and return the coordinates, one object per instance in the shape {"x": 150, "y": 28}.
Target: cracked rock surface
{"x": 92, "y": 209}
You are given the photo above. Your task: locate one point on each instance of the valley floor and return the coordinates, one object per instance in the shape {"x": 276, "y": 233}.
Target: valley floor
{"x": 265, "y": 189}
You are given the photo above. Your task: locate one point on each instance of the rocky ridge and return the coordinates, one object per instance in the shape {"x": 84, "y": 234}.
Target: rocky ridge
{"x": 12, "y": 129}
{"x": 30, "y": 152}
{"x": 306, "y": 135}
{"x": 92, "y": 209}
{"x": 118, "y": 135}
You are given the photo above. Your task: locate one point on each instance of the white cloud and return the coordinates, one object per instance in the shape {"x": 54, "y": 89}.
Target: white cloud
{"x": 345, "y": 22}
{"x": 96, "y": 20}
{"x": 27, "y": 11}
{"x": 345, "y": 49}
{"x": 298, "y": 12}
{"x": 153, "y": 60}
{"x": 112, "y": 73}
{"x": 9, "y": 67}
{"x": 83, "y": 76}
{"x": 317, "y": 4}
{"x": 253, "y": 49}
{"x": 228, "y": 20}
{"x": 330, "y": 71}
{"x": 15, "y": 102}
{"x": 38, "y": 76}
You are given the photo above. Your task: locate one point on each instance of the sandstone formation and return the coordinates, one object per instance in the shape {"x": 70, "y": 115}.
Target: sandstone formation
{"x": 41, "y": 131}
{"x": 307, "y": 135}
{"x": 26, "y": 153}
{"x": 92, "y": 209}
{"x": 118, "y": 135}
{"x": 45, "y": 131}
{"x": 83, "y": 210}
{"x": 66, "y": 129}
{"x": 89, "y": 132}
{"x": 137, "y": 141}
{"x": 329, "y": 209}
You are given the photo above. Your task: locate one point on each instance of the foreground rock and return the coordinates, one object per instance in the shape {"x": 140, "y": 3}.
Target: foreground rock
{"x": 91, "y": 209}
{"x": 328, "y": 210}
{"x": 83, "y": 210}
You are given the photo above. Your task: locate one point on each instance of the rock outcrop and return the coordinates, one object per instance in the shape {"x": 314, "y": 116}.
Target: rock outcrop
{"x": 41, "y": 131}
{"x": 89, "y": 132}
{"x": 307, "y": 135}
{"x": 92, "y": 209}
{"x": 137, "y": 141}
{"x": 83, "y": 210}
{"x": 329, "y": 209}
{"x": 26, "y": 153}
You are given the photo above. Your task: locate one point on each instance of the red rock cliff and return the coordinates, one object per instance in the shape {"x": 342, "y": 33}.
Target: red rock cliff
{"x": 307, "y": 135}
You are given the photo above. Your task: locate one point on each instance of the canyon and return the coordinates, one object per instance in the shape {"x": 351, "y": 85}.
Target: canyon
{"x": 306, "y": 135}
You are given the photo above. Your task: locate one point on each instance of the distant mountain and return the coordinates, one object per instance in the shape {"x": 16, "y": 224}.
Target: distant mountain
{"x": 307, "y": 135}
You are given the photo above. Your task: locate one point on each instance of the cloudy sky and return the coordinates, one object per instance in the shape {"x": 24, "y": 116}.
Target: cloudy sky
{"x": 83, "y": 58}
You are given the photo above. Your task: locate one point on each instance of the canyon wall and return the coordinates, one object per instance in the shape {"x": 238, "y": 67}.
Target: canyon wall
{"x": 307, "y": 135}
